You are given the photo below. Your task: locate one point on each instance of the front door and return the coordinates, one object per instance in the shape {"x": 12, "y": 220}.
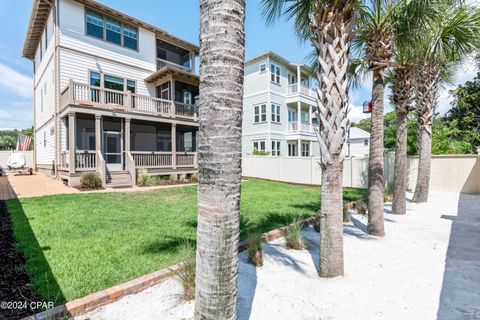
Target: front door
{"x": 113, "y": 150}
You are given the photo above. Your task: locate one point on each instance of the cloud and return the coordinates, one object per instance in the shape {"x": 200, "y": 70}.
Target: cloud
{"x": 356, "y": 113}
{"x": 22, "y": 118}
{"x": 19, "y": 83}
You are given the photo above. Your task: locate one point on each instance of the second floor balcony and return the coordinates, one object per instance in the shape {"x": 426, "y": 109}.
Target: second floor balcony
{"x": 81, "y": 94}
{"x": 296, "y": 126}
{"x": 300, "y": 88}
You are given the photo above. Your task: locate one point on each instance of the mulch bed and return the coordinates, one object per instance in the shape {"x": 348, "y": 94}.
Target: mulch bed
{"x": 15, "y": 284}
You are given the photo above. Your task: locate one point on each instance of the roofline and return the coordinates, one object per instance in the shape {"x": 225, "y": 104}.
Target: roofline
{"x": 278, "y": 57}
{"x": 159, "y": 33}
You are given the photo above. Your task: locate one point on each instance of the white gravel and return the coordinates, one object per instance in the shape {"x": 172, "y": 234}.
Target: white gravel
{"x": 402, "y": 276}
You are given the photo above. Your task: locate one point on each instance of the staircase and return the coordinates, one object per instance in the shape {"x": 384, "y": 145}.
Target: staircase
{"x": 118, "y": 179}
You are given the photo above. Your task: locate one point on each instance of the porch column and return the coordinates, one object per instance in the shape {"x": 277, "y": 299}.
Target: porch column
{"x": 310, "y": 117}
{"x": 192, "y": 61}
{"x": 299, "y": 78}
{"x": 98, "y": 133}
{"x": 71, "y": 142}
{"x": 127, "y": 134}
{"x": 299, "y": 114}
{"x": 174, "y": 145}
{"x": 299, "y": 148}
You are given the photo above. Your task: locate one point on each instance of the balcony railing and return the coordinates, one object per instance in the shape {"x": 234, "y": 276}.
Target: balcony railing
{"x": 187, "y": 159}
{"x": 146, "y": 159}
{"x": 83, "y": 94}
{"x": 164, "y": 63}
{"x": 85, "y": 160}
{"x": 304, "y": 126}
{"x": 293, "y": 89}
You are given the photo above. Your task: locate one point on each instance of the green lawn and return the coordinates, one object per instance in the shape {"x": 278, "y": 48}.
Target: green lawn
{"x": 81, "y": 243}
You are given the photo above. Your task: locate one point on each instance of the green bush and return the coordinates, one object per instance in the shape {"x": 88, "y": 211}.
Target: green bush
{"x": 260, "y": 153}
{"x": 293, "y": 236}
{"x": 144, "y": 179}
{"x": 255, "y": 255}
{"x": 91, "y": 180}
{"x": 187, "y": 272}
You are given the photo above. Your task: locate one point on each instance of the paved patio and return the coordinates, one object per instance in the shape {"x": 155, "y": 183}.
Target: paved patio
{"x": 37, "y": 185}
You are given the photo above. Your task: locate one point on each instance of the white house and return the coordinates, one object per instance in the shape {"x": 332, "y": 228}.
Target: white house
{"x": 278, "y": 110}
{"x": 112, "y": 94}
{"x": 358, "y": 143}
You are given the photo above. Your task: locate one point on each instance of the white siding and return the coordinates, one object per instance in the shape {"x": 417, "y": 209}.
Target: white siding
{"x": 73, "y": 36}
{"x": 45, "y": 151}
{"x": 256, "y": 81}
{"x": 76, "y": 66}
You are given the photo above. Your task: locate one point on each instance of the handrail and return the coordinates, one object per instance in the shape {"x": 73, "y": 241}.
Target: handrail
{"x": 130, "y": 164}
{"x": 161, "y": 63}
{"x": 101, "y": 168}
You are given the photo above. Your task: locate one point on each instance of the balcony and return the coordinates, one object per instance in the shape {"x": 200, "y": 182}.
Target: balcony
{"x": 293, "y": 126}
{"x": 81, "y": 94}
{"x": 296, "y": 88}
{"x": 164, "y": 63}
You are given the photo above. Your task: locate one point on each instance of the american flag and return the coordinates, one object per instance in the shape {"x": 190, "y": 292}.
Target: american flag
{"x": 23, "y": 142}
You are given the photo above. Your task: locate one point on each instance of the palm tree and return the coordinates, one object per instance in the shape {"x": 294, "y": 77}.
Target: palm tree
{"x": 375, "y": 41}
{"x": 219, "y": 157}
{"x": 409, "y": 24}
{"x": 328, "y": 25}
{"x": 452, "y": 35}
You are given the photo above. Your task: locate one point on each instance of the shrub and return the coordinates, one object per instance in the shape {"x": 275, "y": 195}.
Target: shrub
{"x": 316, "y": 224}
{"x": 144, "y": 179}
{"x": 255, "y": 255}
{"x": 293, "y": 236}
{"x": 187, "y": 272}
{"x": 388, "y": 193}
{"x": 260, "y": 153}
{"x": 361, "y": 207}
{"x": 194, "y": 178}
{"x": 91, "y": 180}
{"x": 346, "y": 213}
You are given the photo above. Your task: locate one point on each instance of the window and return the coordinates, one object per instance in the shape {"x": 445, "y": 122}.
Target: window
{"x": 365, "y": 142}
{"x": 41, "y": 53}
{"x": 44, "y": 139}
{"x": 291, "y": 79}
{"x": 113, "y": 83}
{"x": 259, "y": 145}
{"x": 113, "y": 31}
{"x": 275, "y": 113}
{"x": 46, "y": 36}
{"x": 276, "y": 148}
{"x": 304, "y": 117}
{"x": 110, "y": 30}
{"x": 41, "y": 99}
{"x": 187, "y": 97}
{"x": 94, "y": 24}
{"x": 45, "y": 88}
{"x": 260, "y": 113}
{"x": 130, "y": 35}
{"x": 131, "y": 86}
{"x": 292, "y": 115}
{"x": 275, "y": 73}
{"x": 52, "y": 131}
{"x": 292, "y": 149}
{"x": 262, "y": 67}
{"x": 94, "y": 79}
{"x": 305, "y": 149}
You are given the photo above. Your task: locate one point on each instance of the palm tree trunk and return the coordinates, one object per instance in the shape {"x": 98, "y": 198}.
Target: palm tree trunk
{"x": 331, "y": 222}
{"x": 332, "y": 37}
{"x": 427, "y": 98}
{"x": 219, "y": 157}
{"x": 375, "y": 166}
{"x": 400, "y": 169}
{"x": 424, "y": 163}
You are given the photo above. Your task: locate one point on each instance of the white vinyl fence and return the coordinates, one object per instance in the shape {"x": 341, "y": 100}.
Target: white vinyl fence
{"x": 452, "y": 173}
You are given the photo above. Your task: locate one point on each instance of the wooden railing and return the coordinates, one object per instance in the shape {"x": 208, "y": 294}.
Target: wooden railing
{"x": 304, "y": 126}
{"x": 147, "y": 159}
{"x": 187, "y": 159}
{"x": 102, "y": 168}
{"x": 85, "y": 160}
{"x": 186, "y": 110}
{"x": 130, "y": 166}
{"x": 84, "y": 94}
{"x": 293, "y": 88}
{"x": 64, "y": 160}
{"x": 164, "y": 63}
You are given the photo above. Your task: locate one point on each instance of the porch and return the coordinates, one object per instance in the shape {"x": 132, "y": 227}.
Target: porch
{"x": 117, "y": 147}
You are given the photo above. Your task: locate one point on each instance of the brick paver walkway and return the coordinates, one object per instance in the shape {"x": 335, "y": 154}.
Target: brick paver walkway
{"x": 37, "y": 185}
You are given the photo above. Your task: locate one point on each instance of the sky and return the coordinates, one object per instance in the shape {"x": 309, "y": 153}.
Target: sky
{"x": 179, "y": 17}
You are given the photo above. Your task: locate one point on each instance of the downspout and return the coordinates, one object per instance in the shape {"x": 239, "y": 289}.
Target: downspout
{"x": 58, "y": 130}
